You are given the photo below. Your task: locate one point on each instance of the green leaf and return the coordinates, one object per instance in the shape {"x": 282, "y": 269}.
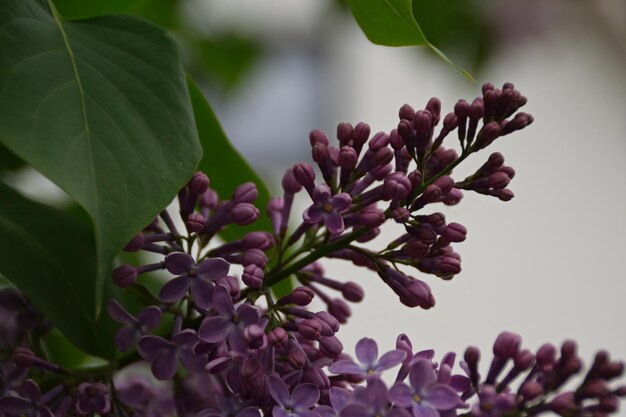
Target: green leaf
{"x": 391, "y": 23}
{"x": 284, "y": 287}
{"x": 81, "y": 9}
{"x": 62, "y": 352}
{"x": 223, "y": 164}
{"x": 101, "y": 108}
{"x": 50, "y": 256}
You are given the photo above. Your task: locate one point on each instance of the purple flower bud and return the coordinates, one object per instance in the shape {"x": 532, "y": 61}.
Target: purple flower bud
{"x": 347, "y": 158}
{"x": 422, "y": 122}
{"x": 344, "y": 132}
{"x": 489, "y": 132}
{"x": 546, "y": 354}
{"x": 562, "y": 403}
{"x": 244, "y": 213}
{"x": 317, "y": 136}
{"x": 209, "y": 199}
{"x": 352, "y": 292}
{"x": 290, "y": 184}
{"x": 253, "y": 276}
{"x": 330, "y": 346}
{"x": 568, "y": 349}
{"x": 93, "y": 398}
{"x": 195, "y": 222}
{"x": 371, "y": 217}
{"x": 254, "y": 257}
{"x": 360, "y": 135}
{"x": 124, "y": 276}
{"x": 301, "y": 296}
{"x": 320, "y": 154}
{"x": 245, "y": 193}
{"x": 278, "y": 337}
{"x": 406, "y": 112}
{"x": 520, "y": 121}
{"x": 329, "y": 320}
{"x": 507, "y": 345}
{"x": 498, "y": 180}
{"x": 524, "y": 360}
{"x": 135, "y": 243}
{"x": 305, "y": 175}
{"x": 379, "y": 141}
{"x": 434, "y": 107}
{"x": 198, "y": 184}
{"x": 400, "y": 214}
{"x": 450, "y": 122}
{"x": 339, "y": 309}
{"x": 255, "y": 336}
{"x": 310, "y": 329}
{"x": 530, "y": 390}
{"x": 454, "y": 232}
{"x": 296, "y": 358}
{"x": 396, "y": 187}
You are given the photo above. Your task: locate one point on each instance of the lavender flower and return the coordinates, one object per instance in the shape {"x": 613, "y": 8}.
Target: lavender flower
{"x": 93, "y": 398}
{"x": 373, "y": 401}
{"x": 296, "y": 404}
{"x": 147, "y": 319}
{"x": 367, "y": 354}
{"x": 327, "y": 208}
{"x": 165, "y": 354}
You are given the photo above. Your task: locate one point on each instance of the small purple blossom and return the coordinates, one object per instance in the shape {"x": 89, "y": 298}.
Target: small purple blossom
{"x": 296, "y": 404}
{"x": 327, "y": 208}
{"x": 192, "y": 276}
{"x": 93, "y": 398}
{"x": 165, "y": 354}
{"x": 147, "y": 319}
{"x": 372, "y": 401}
{"x": 369, "y": 364}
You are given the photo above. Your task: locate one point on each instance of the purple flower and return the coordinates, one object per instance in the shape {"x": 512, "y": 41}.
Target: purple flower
{"x": 93, "y": 398}
{"x": 192, "y": 276}
{"x": 367, "y": 354}
{"x": 228, "y": 324}
{"x": 298, "y": 404}
{"x": 148, "y": 318}
{"x": 30, "y": 403}
{"x": 372, "y": 401}
{"x": 230, "y": 407}
{"x": 328, "y": 209}
{"x": 165, "y": 354}
{"x": 425, "y": 395}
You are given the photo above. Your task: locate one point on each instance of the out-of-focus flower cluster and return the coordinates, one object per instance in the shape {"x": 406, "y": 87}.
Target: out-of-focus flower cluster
{"x": 232, "y": 347}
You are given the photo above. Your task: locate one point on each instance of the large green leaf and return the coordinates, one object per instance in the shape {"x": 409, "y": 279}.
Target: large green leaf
{"x": 223, "y": 164}
{"x": 50, "y": 256}
{"x": 391, "y": 23}
{"x": 101, "y": 108}
{"x": 81, "y": 9}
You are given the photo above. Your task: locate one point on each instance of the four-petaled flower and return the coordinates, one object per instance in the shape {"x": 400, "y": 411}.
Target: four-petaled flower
{"x": 148, "y": 318}
{"x": 165, "y": 354}
{"x": 327, "y": 208}
{"x": 367, "y": 354}
{"x": 372, "y": 401}
{"x": 192, "y": 276}
{"x": 298, "y": 404}
{"x": 425, "y": 396}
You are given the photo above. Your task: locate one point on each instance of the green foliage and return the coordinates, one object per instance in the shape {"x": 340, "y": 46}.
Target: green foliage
{"x": 100, "y": 107}
{"x": 391, "y": 23}
{"x": 81, "y": 9}
{"x": 50, "y": 256}
{"x": 223, "y": 164}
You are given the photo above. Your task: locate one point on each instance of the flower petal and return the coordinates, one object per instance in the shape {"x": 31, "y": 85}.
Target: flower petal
{"x": 149, "y": 317}
{"x": 422, "y": 375}
{"x": 355, "y": 410}
{"x": 124, "y": 338}
{"x": 390, "y": 359}
{"x": 305, "y": 395}
{"x": 442, "y": 397}
{"x": 202, "y": 292}
{"x": 346, "y": 366}
{"x": 174, "y": 289}
{"x": 367, "y": 352}
{"x": 400, "y": 394}
{"x": 179, "y": 263}
{"x": 149, "y": 346}
{"x": 279, "y": 391}
{"x": 313, "y": 214}
{"x": 222, "y": 301}
{"x": 117, "y": 313}
{"x": 212, "y": 269}
{"x": 376, "y": 393}
{"x": 339, "y": 397}
{"x": 247, "y": 314}
{"x": 214, "y": 329}
{"x": 422, "y": 410}
{"x": 334, "y": 223}
{"x": 164, "y": 365}
{"x": 341, "y": 201}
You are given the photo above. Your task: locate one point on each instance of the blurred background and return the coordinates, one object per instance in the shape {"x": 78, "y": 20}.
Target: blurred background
{"x": 547, "y": 264}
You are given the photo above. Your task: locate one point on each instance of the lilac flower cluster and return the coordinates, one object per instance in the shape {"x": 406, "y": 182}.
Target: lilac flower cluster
{"x": 226, "y": 345}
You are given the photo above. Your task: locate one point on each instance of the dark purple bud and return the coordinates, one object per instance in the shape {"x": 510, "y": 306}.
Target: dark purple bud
{"x": 406, "y": 112}
{"x": 381, "y": 171}
{"x": 498, "y": 180}
{"x": 339, "y": 309}
{"x": 450, "y": 122}
{"x": 353, "y": 292}
{"x": 255, "y": 336}
{"x": 24, "y": 357}
{"x": 505, "y": 195}
{"x": 135, "y": 243}
{"x": 278, "y": 337}
{"x": 258, "y": 240}
{"x": 290, "y": 184}
{"x": 296, "y": 358}
{"x": 476, "y": 110}
{"x": 347, "y": 157}
{"x": 404, "y": 129}
{"x": 562, "y": 403}
{"x": 317, "y": 136}
{"x": 198, "y": 184}
{"x": 253, "y": 276}
{"x": 383, "y": 156}
{"x": 330, "y": 346}
{"x": 379, "y": 141}
{"x": 320, "y": 153}
{"x": 317, "y": 376}
{"x": 300, "y": 296}
{"x": 531, "y": 390}
{"x": 245, "y": 193}
{"x": 546, "y": 354}
{"x": 461, "y": 109}
{"x": 422, "y": 122}
{"x": 507, "y": 345}
{"x": 434, "y": 107}
{"x": 396, "y": 186}
{"x": 524, "y": 360}
{"x": 489, "y": 132}
{"x": 431, "y": 194}
{"x": 195, "y": 222}
{"x": 569, "y": 349}
{"x": 310, "y": 329}
{"x": 124, "y": 276}
{"x": 244, "y": 213}
{"x": 436, "y": 219}
{"x": 252, "y": 369}
{"x": 609, "y": 404}
{"x": 209, "y": 199}
{"x": 612, "y": 370}
{"x": 344, "y": 132}
{"x": 520, "y": 121}
{"x": 454, "y": 232}
{"x": 371, "y": 216}
{"x": 254, "y": 257}
{"x": 360, "y": 135}
{"x": 305, "y": 175}
{"x": 329, "y": 320}
{"x": 400, "y": 214}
